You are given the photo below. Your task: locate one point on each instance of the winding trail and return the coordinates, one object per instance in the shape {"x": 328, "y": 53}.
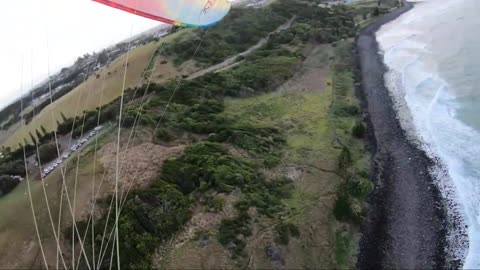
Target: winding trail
{"x": 232, "y": 61}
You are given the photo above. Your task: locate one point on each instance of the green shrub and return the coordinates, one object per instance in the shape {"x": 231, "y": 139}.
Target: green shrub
{"x": 359, "y": 187}
{"x": 358, "y": 130}
{"x": 210, "y": 163}
{"x": 128, "y": 121}
{"x": 164, "y": 135}
{"x": 148, "y": 218}
{"x": 358, "y": 212}
{"x": 271, "y": 161}
{"x": 343, "y": 244}
{"x": 364, "y": 174}
{"x": 266, "y": 196}
{"x": 232, "y": 233}
{"x": 241, "y": 29}
{"x": 15, "y": 167}
{"x": 202, "y": 118}
{"x": 345, "y": 158}
{"x": 285, "y": 230}
{"x": 7, "y": 184}
{"x": 47, "y": 153}
{"x": 341, "y": 209}
{"x": 65, "y": 127}
{"x": 263, "y": 141}
{"x": 215, "y": 202}
{"x": 344, "y": 110}
{"x": 345, "y": 209}
{"x": 77, "y": 132}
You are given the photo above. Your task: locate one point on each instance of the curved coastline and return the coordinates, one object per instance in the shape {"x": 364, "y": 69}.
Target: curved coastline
{"x": 407, "y": 221}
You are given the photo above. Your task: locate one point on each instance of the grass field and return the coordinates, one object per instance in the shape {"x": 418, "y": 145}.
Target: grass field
{"x": 95, "y": 92}
{"x": 17, "y": 230}
{"x": 302, "y": 115}
{"x": 18, "y": 238}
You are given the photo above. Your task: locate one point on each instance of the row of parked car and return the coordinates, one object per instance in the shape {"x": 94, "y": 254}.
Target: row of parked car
{"x": 69, "y": 152}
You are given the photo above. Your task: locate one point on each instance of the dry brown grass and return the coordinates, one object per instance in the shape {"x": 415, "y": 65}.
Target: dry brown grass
{"x": 95, "y": 92}
{"x": 184, "y": 253}
{"x": 140, "y": 164}
{"x": 18, "y": 241}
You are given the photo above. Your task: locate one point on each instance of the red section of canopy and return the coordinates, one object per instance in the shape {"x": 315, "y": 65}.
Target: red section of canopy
{"x": 134, "y": 11}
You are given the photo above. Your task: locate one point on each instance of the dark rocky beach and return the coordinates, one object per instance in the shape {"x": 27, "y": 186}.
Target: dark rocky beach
{"x": 406, "y": 226}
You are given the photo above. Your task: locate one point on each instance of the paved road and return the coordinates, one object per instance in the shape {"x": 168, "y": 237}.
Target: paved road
{"x": 65, "y": 142}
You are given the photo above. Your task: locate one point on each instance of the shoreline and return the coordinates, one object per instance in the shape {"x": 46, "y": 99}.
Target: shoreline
{"x": 406, "y": 225}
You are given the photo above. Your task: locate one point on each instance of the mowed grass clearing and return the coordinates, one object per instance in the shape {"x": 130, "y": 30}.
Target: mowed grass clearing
{"x": 95, "y": 92}
{"x": 302, "y": 116}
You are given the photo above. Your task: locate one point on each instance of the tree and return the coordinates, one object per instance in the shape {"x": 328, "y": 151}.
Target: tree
{"x": 39, "y": 136}
{"x": 376, "y": 12}
{"x": 34, "y": 140}
{"x": 63, "y": 117}
{"x": 103, "y": 57}
{"x": 7, "y": 184}
{"x": 47, "y": 152}
{"x": 44, "y": 130}
{"x": 25, "y": 141}
{"x": 65, "y": 127}
{"x": 16, "y": 167}
{"x": 6, "y": 150}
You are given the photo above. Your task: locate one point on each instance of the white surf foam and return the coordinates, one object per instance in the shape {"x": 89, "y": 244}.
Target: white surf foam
{"x": 427, "y": 110}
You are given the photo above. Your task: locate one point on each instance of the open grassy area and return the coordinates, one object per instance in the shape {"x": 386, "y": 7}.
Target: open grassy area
{"x": 309, "y": 159}
{"x": 17, "y": 231}
{"x": 95, "y": 92}
{"x": 18, "y": 238}
{"x": 304, "y": 117}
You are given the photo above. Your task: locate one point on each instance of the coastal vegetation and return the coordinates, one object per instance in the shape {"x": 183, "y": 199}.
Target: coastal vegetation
{"x": 210, "y": 105}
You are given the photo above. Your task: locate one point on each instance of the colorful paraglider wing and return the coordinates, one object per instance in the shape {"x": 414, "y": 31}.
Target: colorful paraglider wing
{"x": 186, "y": 13}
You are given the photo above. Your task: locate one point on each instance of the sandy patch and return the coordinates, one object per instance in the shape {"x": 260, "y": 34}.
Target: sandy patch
{"x": 139, "y": 165}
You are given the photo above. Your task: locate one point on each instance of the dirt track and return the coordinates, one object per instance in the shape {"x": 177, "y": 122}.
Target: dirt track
{"x": 232, "y": 61}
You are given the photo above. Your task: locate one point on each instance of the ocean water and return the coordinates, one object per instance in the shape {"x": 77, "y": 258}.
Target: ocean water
{"x": 433, "y": 56}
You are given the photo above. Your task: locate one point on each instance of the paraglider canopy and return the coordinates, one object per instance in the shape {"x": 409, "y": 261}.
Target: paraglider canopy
{"x": 186, "y": 13}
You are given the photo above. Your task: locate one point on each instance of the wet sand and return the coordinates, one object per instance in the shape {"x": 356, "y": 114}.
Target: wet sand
{"x": 406, "y": 224}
